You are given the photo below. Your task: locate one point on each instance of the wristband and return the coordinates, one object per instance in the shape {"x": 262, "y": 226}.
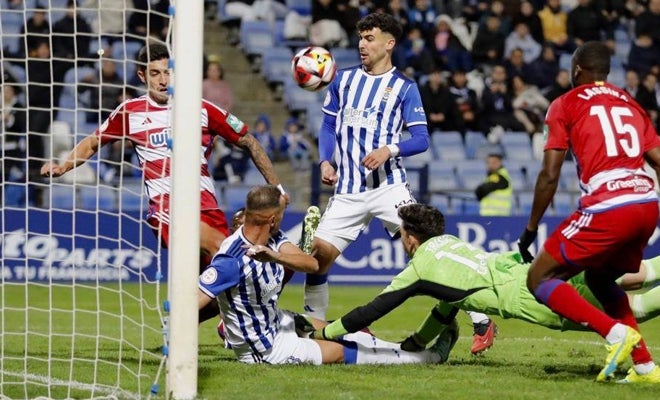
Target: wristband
{"x": 394, "y": 149}
{"x": 281, "y": 189}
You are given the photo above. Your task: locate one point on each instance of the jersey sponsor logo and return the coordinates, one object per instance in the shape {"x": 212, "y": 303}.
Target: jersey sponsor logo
{"x": 361, "y": 118}
{"x": 147, "y": 121}
{"x": 209, "y": 276}
{"x": 419, "y": 110}
{"x": 159, "y": 139}
{"x": 637, "y": 184}
{"x": 546, "y": 131}
{"x": 235, "y": 123}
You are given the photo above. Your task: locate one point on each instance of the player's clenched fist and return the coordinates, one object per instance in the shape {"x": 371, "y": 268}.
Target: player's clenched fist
{"x": 328, "y": 173}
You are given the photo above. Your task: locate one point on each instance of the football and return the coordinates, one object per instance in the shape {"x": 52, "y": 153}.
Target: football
{"x": 313, "y": 68}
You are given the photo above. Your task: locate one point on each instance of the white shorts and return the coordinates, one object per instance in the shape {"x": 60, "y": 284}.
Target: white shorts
{"x": 288, "y": 347}
{"x": 346, "y": 215}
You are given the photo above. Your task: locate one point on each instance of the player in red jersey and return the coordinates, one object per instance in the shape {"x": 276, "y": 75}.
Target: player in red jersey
{"x": 610, "y": 137}
{"x": 146, "y": 122}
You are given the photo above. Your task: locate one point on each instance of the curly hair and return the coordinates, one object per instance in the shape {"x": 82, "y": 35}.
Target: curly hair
{"x": 385, "y": 22}
{"x": 422, "y": 221}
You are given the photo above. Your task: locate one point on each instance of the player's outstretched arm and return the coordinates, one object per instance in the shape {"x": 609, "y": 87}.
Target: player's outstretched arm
{"x": 289, "y": 256}
{"x": 258, "y": 155}
{"x": 83, "y": 151}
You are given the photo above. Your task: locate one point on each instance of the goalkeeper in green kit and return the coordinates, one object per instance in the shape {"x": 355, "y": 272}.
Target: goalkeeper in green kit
{"x": 464, "y": 277}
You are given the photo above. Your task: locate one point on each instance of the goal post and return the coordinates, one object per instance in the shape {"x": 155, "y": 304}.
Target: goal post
{"x": 188, "y": 23}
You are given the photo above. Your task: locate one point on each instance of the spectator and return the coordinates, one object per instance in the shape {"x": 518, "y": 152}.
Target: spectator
{"x": 214, "y": 86}
{"x": 332, "y": 20}
{"x": 232, "y": 163}
{"x": 264, "y": 136}
{"x": 586, "y": 23}
{"x": 449, "y": 51}
{"x": 422, "y": 15}
{"x": 72, "y": 35}
{"x": 441, "y": 111}
{"x": 544, "y": 69}
{"x": 553, "y": 21}
{"x": 149, "y": 19}
{"x": 473, "y": 10}
{"x": 516, "y": 65}
{"x": 647, "y": 97}
{"x": 632, "y": 83}
{"x": 649, "y": 22}
{"x": 12, "y": 133}
{"x": 497, "y": 104}
{"x": 527, "y": 14}
{"x": 495, "y": 194}
{"x": 644, "y": 56}
{"x": 397, "y": 8}
{"x": 561, "y": 85}
{"x": 36, "y": 30}
{"x": 111, "y": 16}
{"x": 529, "y": 105}
{"x": 466, "y": 101}
{"x": 295, "y": 146}
{"x": 521, "y": 39}
{"x": 107, "y": 94}
{"x": 497, "y": 9}
{"x": 416, "y": 54}
{"x": 488, "y": 47}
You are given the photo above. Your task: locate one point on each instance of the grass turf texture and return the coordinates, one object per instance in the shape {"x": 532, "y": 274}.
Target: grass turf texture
{"x": 527, "y": 361}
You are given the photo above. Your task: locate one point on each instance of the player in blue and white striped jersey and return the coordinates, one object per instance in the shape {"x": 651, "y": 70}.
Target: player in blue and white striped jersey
{"x": 361, "y": 153}
{"x": 246, "y": 278}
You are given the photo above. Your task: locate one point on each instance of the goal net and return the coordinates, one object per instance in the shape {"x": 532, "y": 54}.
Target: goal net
{"x": 82, "y": 296}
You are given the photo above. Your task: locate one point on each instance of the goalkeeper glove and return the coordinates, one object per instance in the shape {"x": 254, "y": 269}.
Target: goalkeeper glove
{"x": 303, "y": 325}
{"x": 525, "y": 240}
{"x": 413, "y": 343}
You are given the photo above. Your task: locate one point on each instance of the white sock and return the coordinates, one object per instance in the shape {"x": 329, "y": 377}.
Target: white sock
{"x": 317, "y": 298}
{"x": 637, "y": 307}
{"x": 371, "y": 350}
{"x": 645, "y": 368}
{"x": 616, "y": 334}
{"x": 477, "y": 317}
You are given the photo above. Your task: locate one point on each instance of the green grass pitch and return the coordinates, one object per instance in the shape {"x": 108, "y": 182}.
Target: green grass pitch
{"x": 527, "y": 361}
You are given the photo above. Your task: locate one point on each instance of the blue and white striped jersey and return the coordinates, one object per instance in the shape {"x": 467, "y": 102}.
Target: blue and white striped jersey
{"x": 369, "y": 112}
{"x": 247, "y": 292}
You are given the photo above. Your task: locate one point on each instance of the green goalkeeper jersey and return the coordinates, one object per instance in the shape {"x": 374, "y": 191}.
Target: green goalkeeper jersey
{"x": 460, "y": 276}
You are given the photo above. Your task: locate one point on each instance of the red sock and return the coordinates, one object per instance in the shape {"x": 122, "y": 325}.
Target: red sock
{"x": 620, "y": 309}
{"x": 564, "y": 300}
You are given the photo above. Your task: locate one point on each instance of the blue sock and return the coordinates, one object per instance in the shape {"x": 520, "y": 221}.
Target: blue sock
{"x": 316, "y": 279}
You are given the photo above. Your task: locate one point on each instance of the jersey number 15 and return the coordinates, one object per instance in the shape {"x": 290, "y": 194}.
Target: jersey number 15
{"x": 611, "y": 124}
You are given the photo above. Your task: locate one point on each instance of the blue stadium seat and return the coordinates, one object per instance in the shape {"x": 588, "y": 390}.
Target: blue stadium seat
{"x": 314, "y": 116}
{"x": 280, "y": 40}
{"x": 487, "y": 148}
{"x": 473, "y": 139}
{"x": 131, "y": 195}
{"x": 565, "y": 61}
{"x": 525, "y": 200}
{"x": 442, "y": 177}
{"x": 222, "y": 15}
{"x": 297, "y": 99}
{"x": 302, "y": 7}
{"x": 256, "y": 37}
{"x": 568, "y": 180}
{"x": 234, "y": 197}
{"x": 563, "y": 205}
{"x": 514, "y": 137}
{"x": 532, "y": 170}
{"x": 517, "y": 179}
{"x": 470, "y": 173}
{"x": 62, "y": 196}
{"x": 441, "y": 140}
{"x": 253, "y": 177}
{"x": 419, "y": 160}
{"x": 345, "y": 57}
{"x": 11, "y": 22}
{"x": 518, "y": 151}
{"x": 451, "y": 152}
{"x": 276, "y": 64}
{"x": 617, "y": 76}
{"x": 99, "y": 198}
{"x": 443, "y": 203}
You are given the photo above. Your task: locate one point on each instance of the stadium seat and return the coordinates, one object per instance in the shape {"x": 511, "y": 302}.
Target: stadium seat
{"x": 297, "y": 99}
{"x": 565, "y": 61}
{"x": 568, "y": 179}
{"x": 487, "y": 148}
{"x": 276, "y": 64}
{"x": 525, "y": 200}
{"x": 473, "y": 139}
{"x": 518, "y": 181}
{"x": 253, "y": 177}
{"x": 302, "y": 7}
{"x": 443, "y": 203}
{"x": 442, "y": 177}
{"x": 617, "y": 76}
{"x": 314, "y": 116}
{"x": 345, "y": 57}
{"x": 562, "y": 204}
{"x": 131, "y": 195}
{"x": 256, "y": 37}
{"x": 531, "y": 170}
{"x": 450, "y": 152}
{"x": 518, "y": 151}
{"x": 419, "y": 160}
{"x": 470, "y": 173}
{"x": 62, "y": 197}
{"x": 99, "y": 198}
{"x": 11, "y": 22}
{"x": 538, "y": 143}
{"x": 280, "y": 40}
{"x": 234, "y": 197}
{"x": 514, "y": 137}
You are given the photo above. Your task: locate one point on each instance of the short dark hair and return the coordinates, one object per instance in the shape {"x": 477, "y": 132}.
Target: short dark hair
{"x": 422, "y": 221}
{"x": 262, "y": 198}
{"x": 151, "y": 52}
{"x": 593, "y": 56}
{"x": 384, "y": 22}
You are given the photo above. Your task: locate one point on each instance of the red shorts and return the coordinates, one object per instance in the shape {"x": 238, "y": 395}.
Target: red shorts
{"x": 214, "y": 218}
{"x": 613, "y": 239}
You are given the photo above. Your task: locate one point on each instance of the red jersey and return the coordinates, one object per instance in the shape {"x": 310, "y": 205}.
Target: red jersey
{"x": 608, "y": 133}
{"x": 147, "y": 125}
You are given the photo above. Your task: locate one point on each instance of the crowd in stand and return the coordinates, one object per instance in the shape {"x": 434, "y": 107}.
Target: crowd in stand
{"x": 480, "y": 65}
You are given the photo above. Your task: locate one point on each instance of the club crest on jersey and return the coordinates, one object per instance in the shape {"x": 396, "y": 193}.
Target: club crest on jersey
{"x": 209, "y": 276}
{"x": 386, "y": 94}
{"x": 158, "y": 139}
